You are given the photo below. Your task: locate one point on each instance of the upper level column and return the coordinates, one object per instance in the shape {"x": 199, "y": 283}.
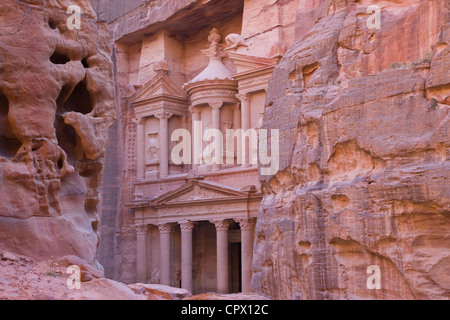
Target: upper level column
{"x": 215, "y": 121}
{"x": 163, "y": 143}
{"x": 197, "y": 142}
{"x": 236, "y": 117}
{"x": 245, "y": 123}
{"x": 140, "y": 148}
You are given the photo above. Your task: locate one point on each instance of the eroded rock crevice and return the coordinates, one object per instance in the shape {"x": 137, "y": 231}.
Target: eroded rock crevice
{"x": 9, "y": 145}
{"x": 50, "y": 171}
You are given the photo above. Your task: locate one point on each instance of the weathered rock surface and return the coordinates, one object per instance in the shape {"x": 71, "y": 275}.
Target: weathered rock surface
{"x": 130, "y": 19}
{"x": 22, "y": 278}
{"x": 364, "y": 123}
{"x": 57, "y": 102}
{"x": 25, "y": 279}
{"x": 159, "y": 292}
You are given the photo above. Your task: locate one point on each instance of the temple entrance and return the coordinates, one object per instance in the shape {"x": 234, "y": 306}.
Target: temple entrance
{"x": 235, "y": 263}
{"x": 234, "y": 258}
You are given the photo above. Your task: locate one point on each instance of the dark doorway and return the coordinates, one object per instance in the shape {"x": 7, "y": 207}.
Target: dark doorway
{"x": 235, "y": 281}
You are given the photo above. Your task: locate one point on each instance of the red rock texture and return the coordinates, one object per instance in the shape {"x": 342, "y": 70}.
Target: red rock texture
{"x": 364, "y": 172}
{"x": 24, "y": 279}
{"x": 57, "y": 102}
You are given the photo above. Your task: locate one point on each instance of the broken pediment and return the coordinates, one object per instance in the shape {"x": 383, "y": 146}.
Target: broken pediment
{"x": 245, "y": 63}
{"x": 159, "y": 87}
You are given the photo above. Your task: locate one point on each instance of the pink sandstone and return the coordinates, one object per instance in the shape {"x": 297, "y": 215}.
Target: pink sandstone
{"x": 365, "y": 170}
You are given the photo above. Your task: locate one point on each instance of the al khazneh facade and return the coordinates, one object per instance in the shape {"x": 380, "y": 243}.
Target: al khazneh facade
{"x": 194, "y": 222}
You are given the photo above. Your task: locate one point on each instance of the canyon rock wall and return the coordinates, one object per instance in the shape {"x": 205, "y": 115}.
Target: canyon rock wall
{"x": 363, "y": 115}
{"x": 57, "y": 102}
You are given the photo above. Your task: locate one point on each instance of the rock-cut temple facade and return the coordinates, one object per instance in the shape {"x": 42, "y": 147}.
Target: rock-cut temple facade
{"x": 191, "y": 224}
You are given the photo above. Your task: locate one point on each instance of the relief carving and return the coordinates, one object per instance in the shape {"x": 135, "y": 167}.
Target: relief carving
{"x": 153, "y": 148}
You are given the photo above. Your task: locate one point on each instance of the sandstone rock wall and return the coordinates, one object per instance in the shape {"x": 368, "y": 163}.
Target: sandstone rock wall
{"x": 57, "y": 102}
{"x": 364, "y": 155}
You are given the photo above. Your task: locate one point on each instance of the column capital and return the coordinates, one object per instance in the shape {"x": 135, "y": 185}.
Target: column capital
{"x": 216, "y": 105}
{"x": 163, "y": 115}
{"x": 242, "y": 96}
{"x": 186, "y": 225}
{"x": 221, "y": 224}
{"x": 141, "y": 229}
{"x": 165, "y": 227}
{"x": 138, "y": 120}
{"x": 246, "y": 223}
{"x": 193, "y": 109}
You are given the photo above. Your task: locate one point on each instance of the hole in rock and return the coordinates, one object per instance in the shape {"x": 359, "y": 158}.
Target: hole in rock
{"x": 9, "y": 145}
{"x": 67, "y": 140}
{"x": 79, "y": 100}
{"x": 308, "y": 72}
{"x": 52, "y": 24}
{"x": 59, "y": 58}
{"x": 60, "y": 163}
{"x": 85, "y": 63}
{"x": 4, "y": 105}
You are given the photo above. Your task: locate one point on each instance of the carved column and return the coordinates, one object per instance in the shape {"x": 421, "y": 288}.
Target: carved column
{"x": 222, "y": 254}
{"x": 187, "y": 228}
{"x": 246, "y": 125}
{"x": 163, "y": 143}
{"x": 236, "y": 148}
{"x": 236, "y": 117}
{"x": 197, "y": 143}
{"x": 140, "y": 148}
{"x": 215, "y": 124}
{"x": 141, "y": 252}
{"x": 247, "y": 225}
{"x": 184, "y": 125}
{"x": 165, "y": 244}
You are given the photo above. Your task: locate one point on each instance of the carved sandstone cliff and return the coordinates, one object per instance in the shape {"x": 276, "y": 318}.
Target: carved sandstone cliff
{"x": 57, "y": 102}
{"x": 364, "y": 173}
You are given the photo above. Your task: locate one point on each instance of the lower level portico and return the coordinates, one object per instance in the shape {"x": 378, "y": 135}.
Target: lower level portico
{"x": 198, "y": 237}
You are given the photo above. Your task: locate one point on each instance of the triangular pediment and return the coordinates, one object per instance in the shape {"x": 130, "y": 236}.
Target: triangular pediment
{"x": 159, "y": 86}
{"x": 198, "y": 191}
{"x": 245, "y": 63}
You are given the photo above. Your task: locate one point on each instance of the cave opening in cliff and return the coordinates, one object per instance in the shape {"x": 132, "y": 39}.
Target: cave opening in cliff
{"x": 52, "y": 24}
{"x": 308, "y": 72}
{"x": 59, "y": 58}
{"x": 9, "y": 145}
{"x": 67, "y": 140}
{"x": 71, "y": 99}
{"x": 76, "y": 100}
{"x": 85, "y": 63}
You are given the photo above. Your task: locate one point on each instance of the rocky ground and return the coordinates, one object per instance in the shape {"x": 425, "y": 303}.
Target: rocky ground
{"x": 24, "y": 279}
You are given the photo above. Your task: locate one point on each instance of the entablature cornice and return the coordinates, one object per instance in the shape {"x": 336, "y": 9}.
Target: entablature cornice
{"x": 255, "y": 80}
{"x": 161, "y": 106}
